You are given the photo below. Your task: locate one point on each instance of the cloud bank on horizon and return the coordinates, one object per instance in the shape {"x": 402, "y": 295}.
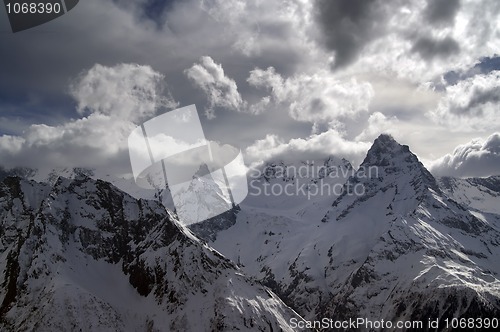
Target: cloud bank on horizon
{"x": 289, "y": 77}
{"x": 476, "y": 158}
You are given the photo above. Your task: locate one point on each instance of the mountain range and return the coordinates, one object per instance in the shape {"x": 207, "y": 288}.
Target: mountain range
{"x": 81, "y": 255}
{"x": 314, "y": 239}
{"x": 409, "y": 247}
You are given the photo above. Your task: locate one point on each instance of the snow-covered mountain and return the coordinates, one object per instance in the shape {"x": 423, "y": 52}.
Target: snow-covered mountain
{"x": 125, "y": 183}
{"x": 81, "y": 255}
{"x": 387, "y": 241}
{"x": 289, "y": 189}
{"x": 393, "y": 245}
{"x": 297, "y": 188}
{"x": 480, "y": 194}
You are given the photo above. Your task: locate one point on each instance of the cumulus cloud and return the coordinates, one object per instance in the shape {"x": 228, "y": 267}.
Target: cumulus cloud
{"x": 477, "y": 158}
{"x": 128, "y": 91}
{"x": 260, "y": 106}
{"x": 471, "y": 104}
{"x": 221, "y": 91}
{"x": 328, "y": 143}
{"x": 307, "y": 97}
{"x": 111, "y": 101}
{"x": 378, "y": 123}
{"x": 315, "y": 97}
{"x": 11, "y": 144}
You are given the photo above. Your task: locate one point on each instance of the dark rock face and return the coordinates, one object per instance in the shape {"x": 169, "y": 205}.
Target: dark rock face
{"x": 207, "y": 230}
{"x": 492, "y": 183}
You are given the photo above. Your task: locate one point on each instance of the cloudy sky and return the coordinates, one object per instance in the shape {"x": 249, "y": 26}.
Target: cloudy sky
{"x": 274, "y": 78}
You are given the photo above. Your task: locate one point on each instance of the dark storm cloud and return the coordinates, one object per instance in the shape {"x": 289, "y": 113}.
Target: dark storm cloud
{"x": 347, "y": 25}
{"x": 441, "y": 11}
{"x": 429, "y": 48}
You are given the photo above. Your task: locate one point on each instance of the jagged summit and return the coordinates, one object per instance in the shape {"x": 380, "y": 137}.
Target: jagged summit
{"x": 387, "y": 152}
{"x": 386, "y": 141}
{"x": 392, "y": 176}
{"x": 390, "y": 157}
{"x": 202, "y": 171}
{"x": 383, "y": 150}
{"x": 389, "y": 169}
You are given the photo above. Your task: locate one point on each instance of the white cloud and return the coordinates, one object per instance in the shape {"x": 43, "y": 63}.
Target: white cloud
{"x": 116, "y": 98}
{"x": 220, "y": 90}
{"x": 315, "y": 146}
{"x": 11, "y": 144}
{"x": 378, "y": 123}
{"x": 260, "y": 106}
{"x": 470, "y": 105}
{"x": 128, "y": 91}
{"x": 477, "y": 158}
{"x": 316, "y": 97}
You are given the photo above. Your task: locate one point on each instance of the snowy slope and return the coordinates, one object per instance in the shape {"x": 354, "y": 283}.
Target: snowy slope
{"x": 300, "y": 189}
{"x": 427, "y": 258}
{"x": 481, "y": 194}
{"x": 82, "y": 255}
{"x": 293, "y": 190}
{"x": 401, "y": 249}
